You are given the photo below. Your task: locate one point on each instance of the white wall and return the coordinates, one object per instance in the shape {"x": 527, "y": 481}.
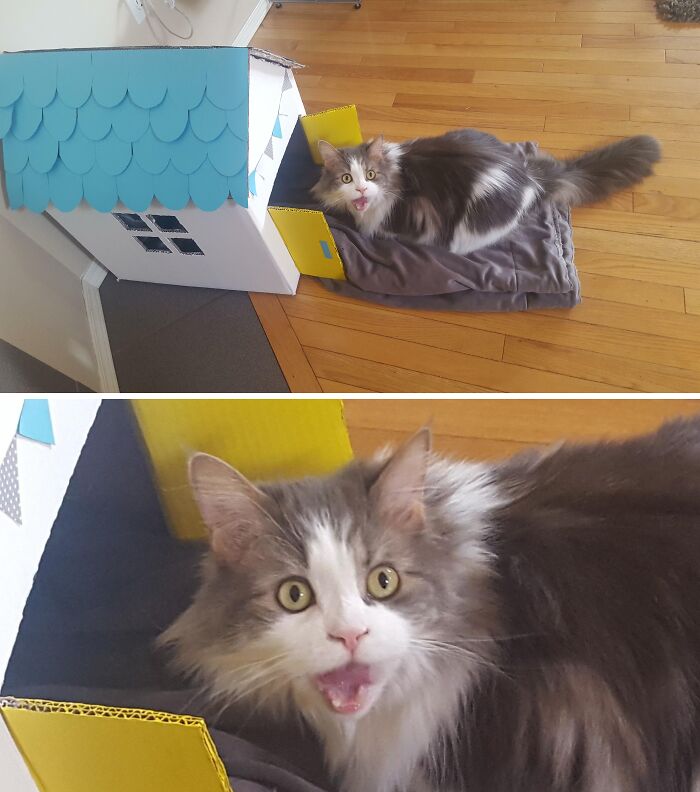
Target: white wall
{"x": 42, "y": 310}
{"x": 52, "y": 24}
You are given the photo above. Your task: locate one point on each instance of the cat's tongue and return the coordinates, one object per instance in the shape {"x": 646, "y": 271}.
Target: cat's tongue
{"x": 344, "y": 687}
{"x": 360, "y": 204}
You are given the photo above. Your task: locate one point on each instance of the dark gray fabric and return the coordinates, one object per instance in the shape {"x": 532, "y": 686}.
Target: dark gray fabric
{"x": 532, "y": 268}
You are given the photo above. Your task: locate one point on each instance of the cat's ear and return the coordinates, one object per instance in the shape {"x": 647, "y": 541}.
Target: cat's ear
{"x": 375, "y": 148}
{"x": 398, "y": 493}
{"x": 233, "y": 509}
{"x": 329, "y": 154}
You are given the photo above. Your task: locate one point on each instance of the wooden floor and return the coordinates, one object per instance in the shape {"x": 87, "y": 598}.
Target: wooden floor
{"x": 486, "y": 428}
{"x": 570, "y": 74}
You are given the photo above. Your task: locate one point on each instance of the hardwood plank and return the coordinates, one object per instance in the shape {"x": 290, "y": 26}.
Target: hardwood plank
{"x": 661, "y": 27}
{"x": 370, "y": 34}
{"x": 642, "y": 42}
{"x": 481, "y": 38}
{"x": 384, "y": 378}
{"x": 683, "y": 56}
{"x": 633, "y": 17}
{"x": 454, "y": 118}
{"x": 334, "y": 98}
{"x": 692, "y": 301}
{"x": 535, "y": 421}
{"x": 637, "y": 376}
{"x": 559, "y": 329}
{"x": 633, "y": 267}
{"x": 472, "y": 370}
{"x": 631, "y": 223}
{"x": 656, "y": 203}
{"x": 580, "y": 79}
{"x": 413, "y": 84}
{"x": 528, "y": 107}
{"x": 677, "y": 115}
{"x": 668, "y": 324}
{"x": 472, "y": 60}
{"x": 632, "y": 244}
{"x": 632, "y": 292}
{"x": 402, "y": 74}
{"x": 595, "y": 126}
{"x": 409, "y": 328}
{"x": 330, "y": 386}
{"x": 290, "y": 356}
{"x": 491, "y": 51}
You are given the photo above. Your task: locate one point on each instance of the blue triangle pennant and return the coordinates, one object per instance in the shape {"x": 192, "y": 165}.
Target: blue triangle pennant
{"x": 251, "y": 184}
{"x": 277, "y": 131}
{"x": 35, "y": 421}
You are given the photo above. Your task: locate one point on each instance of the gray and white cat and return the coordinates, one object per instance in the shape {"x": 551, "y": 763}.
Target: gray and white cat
{"x": 466, "y": 190}
{"x": 526, "y": 626}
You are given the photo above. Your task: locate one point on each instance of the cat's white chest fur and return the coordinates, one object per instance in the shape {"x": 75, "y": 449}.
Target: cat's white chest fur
{"x": 382, "y": 752}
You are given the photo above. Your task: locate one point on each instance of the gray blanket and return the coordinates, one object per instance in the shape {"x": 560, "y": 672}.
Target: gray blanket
{"x": 532, "y": 268}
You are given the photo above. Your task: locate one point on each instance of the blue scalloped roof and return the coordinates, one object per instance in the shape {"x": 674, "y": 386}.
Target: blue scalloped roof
{"x": 125, "y": 125}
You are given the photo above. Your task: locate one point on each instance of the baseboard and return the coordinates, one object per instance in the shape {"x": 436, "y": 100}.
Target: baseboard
{"x": 92, "y": 279}
{"x": 252, "y": 24}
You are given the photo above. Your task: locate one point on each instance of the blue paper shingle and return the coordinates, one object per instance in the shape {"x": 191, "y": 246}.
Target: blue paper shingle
{"x": 125, "y": 125}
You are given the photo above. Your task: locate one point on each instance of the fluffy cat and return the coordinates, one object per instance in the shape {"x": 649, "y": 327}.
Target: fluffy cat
{"x": 466, "y": 190}
{"x": 531, "y": 625}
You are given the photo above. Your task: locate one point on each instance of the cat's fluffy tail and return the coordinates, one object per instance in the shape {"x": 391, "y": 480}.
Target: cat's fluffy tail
{"x": 597, "y": 174}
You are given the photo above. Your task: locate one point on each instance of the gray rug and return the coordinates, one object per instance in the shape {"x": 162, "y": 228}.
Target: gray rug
{"x": 679, "y": 10}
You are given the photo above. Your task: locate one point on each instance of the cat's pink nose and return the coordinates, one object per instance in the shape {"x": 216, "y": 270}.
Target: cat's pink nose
{"x": 350, "y": 637}
{"x": 361, "y": 190}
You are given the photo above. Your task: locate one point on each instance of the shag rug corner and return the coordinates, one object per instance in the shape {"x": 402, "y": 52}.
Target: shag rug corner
{"x": 679, "y": 10}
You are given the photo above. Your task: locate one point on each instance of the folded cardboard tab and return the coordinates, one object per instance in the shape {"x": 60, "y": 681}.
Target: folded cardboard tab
{"x": 84, "y": 748}
{"x": 263, "y": 438}
{"x": 339, "y": 126}
{"x": 309, "y": 240}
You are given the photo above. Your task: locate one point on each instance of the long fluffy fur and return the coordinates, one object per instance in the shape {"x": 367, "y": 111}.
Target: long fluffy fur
{"x": 597, "y": 174}
{"x": 560, "y": 589}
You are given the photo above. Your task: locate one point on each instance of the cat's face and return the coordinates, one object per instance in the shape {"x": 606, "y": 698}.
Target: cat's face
{"x": 326, "y": 593}
{"x": 356, "y": 179}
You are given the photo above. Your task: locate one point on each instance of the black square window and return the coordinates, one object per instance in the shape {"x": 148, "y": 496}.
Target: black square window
{"x": 167, "y": 223}
{"x": 133, "y": 222}
{"x": 187, "y": 246}
{"x": 152, "y": 244}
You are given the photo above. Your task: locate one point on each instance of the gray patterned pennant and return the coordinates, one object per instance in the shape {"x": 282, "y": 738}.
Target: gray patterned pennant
{"x": 9, "y": 485}
{"x": 287, "y": 84}
{"x": 269, "y": 150}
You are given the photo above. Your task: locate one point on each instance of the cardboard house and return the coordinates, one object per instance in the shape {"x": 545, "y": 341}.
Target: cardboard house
{"x": 45, "y": 448}
{"x": 161, "y": 162}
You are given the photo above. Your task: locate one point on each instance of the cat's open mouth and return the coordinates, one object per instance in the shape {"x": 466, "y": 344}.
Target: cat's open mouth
{"x": 344, "y": 688}
{"x": 360, "y": 203}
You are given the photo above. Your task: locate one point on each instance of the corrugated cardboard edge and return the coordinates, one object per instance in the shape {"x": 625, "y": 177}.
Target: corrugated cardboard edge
{"x": 126, "y": 713}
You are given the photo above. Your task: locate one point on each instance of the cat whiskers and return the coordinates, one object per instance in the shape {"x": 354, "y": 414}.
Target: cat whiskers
{"x": 445, "y": 649}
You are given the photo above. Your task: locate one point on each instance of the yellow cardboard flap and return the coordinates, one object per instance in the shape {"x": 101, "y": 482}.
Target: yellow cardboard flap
{"x": 84, "y": 748}
{"x": 309, "y": 241}
{"x": 263, "y": 438}
{"x": 340, "y": 127}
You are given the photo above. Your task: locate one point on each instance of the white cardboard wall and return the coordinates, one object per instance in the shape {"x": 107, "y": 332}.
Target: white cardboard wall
{"x": 14, "y": 775}
{"x": 44, "y": 473}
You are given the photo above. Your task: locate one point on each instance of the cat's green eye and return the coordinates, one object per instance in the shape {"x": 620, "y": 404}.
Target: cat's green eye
{"x": 383, "y": 582}
{"x": 346, "y": 178}
{"x": 371, "y": 175}
{"x": 295, "y": 595}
